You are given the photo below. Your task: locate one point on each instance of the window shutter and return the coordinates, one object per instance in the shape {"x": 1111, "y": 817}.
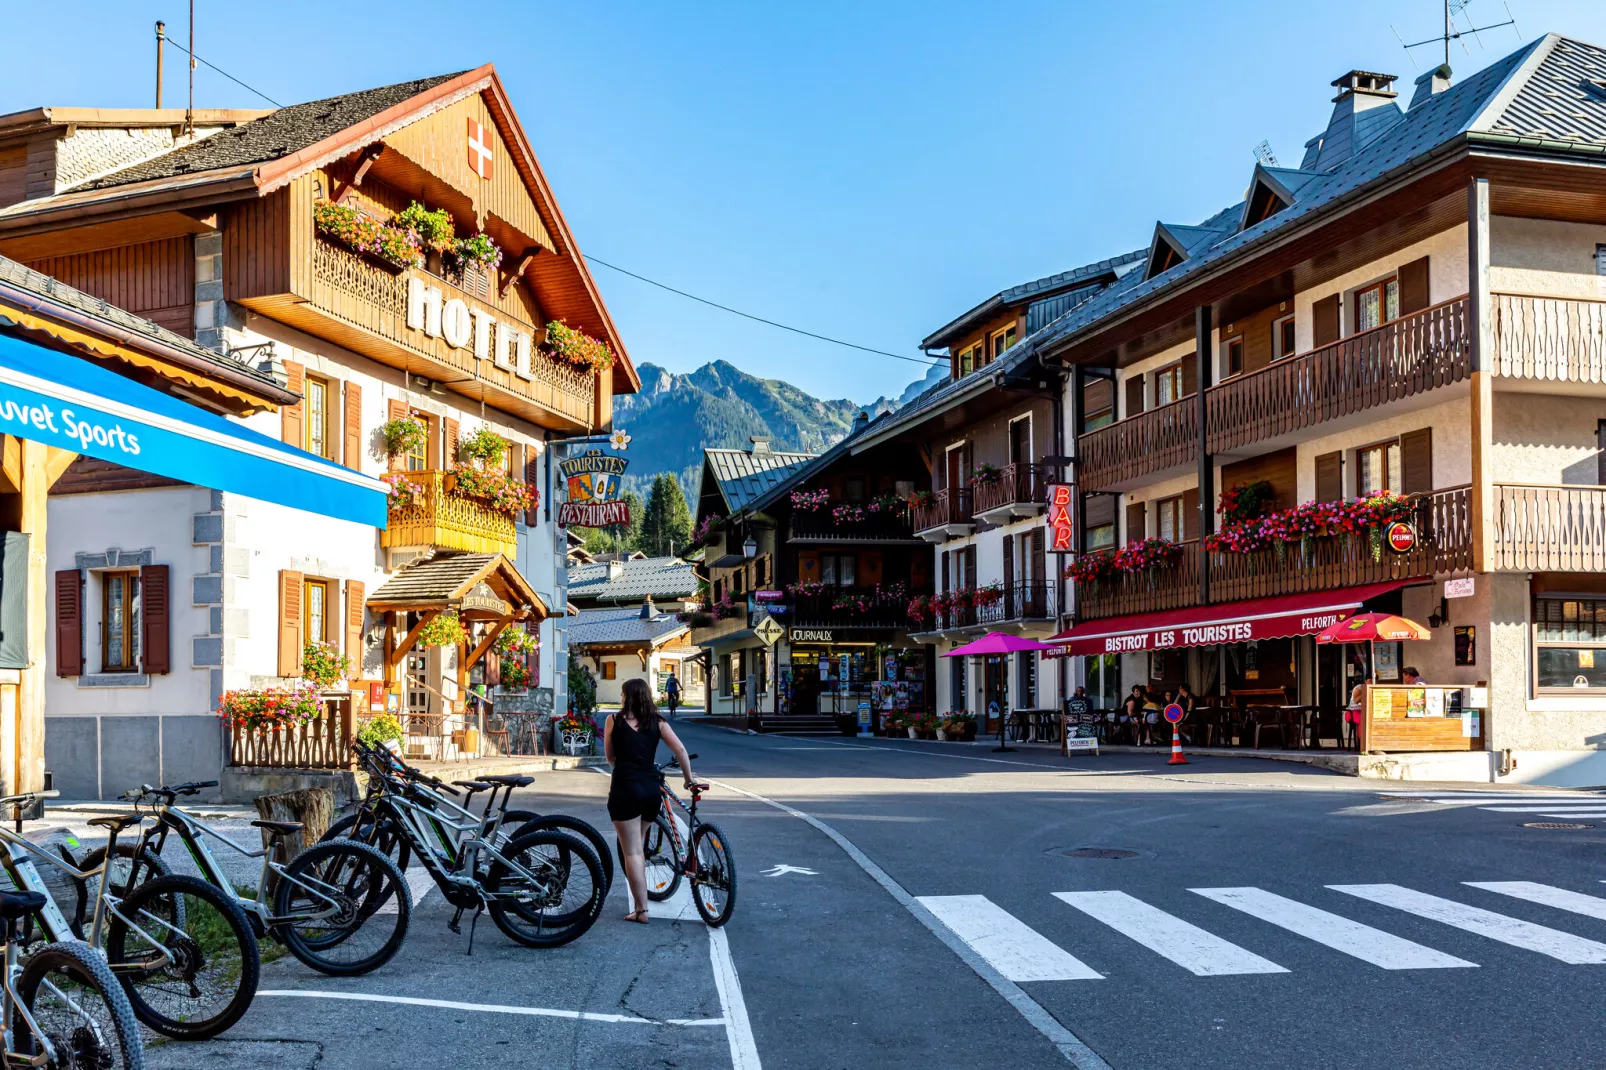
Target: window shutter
{"x": 1416, "y": 461}
{"x": 292, "y": 420}
{"x": 69, "y": 622}
{"x": 1330, "y": 477}
{"x": 290, "y": 641}
{"x": 1324, "y": 321}
{"x": 970, "y": 566}
{"x": 1134, "y": 395}
{"x": 156, "y": 625}
{"x": 352, "y": 427}
{"x": 946, "y": 584}
{"x": 356, "y": 592}
{"x": 532, "y": 476}
{"x": 395, "y": 410}
{"x": 1136, "y": 521}
{"x": 451, "y": 443}
{"x": 1190, "y": 514}
{"x": 1190, "y": 375}
{"x": 432, "y": 449}
{"x": 1009, "y": 565}
{"x": 1600, "y": 457}
{"x": 1039, "y": 572}
{"x": 1414, "y": 296}
{"x": 1098, "y": 510}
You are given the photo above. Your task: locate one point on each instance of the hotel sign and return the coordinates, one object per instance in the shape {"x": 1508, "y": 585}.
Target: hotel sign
{"x": 464, "y": 326}
{"x": 480, "y": 597}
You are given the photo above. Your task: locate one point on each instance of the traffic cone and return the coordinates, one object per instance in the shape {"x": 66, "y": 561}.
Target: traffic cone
{"x": 1176, "y": 748}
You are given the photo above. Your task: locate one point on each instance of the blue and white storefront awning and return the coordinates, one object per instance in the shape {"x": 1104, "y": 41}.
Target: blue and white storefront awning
{"x": 77, "y": 405}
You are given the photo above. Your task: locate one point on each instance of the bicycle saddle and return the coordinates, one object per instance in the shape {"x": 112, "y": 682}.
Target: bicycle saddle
{"x": 16, "y": 905}
{"x": 509, "y": 779}
{"x": 473, "y": 785}
{"x": 116, "y": 822}
{"x": 285, "y": 827}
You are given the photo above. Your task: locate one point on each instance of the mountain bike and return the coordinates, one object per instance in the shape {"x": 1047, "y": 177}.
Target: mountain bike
{"x": 707, "y": 862}
{"x": 542, "y": 887}
{"x": 63, "y": 1010}
{"x": 339, "y": 906}
{"x": 182, "y": 950}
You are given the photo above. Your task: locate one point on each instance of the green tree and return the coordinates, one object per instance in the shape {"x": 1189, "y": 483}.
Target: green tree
{"x": 582, "y": 689}
{"x": 666, "y": 524}
{"x": 618, "y": 536}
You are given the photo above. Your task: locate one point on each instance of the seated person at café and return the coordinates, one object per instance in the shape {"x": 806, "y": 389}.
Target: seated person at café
{"x": 1132, "y": 713}
{"x": 1151, "y": 720}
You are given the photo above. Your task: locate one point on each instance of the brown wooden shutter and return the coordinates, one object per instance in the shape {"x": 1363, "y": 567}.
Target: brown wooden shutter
{"x": 1190, "y": 375}
{"x": 1190, "y": 514}
{"x": 69, "y": 622}
{"x": 395, "y": 410}
{"x": 356, "y": 592}
{"x": 291, "y": 592}
{"x": 1414, "y": 296}
{"x": 351, "y": 427}
{"x": 1136, "y": 521}
{"x": 1330, "y": 476}
{"x": 292, "y": 418}
{"x": 532, "y": 476}
{"x": 1600, "y": 456}
{"x": 1098, "y": 510}
{"x": 156, "y": 624}
{"x": 1416, "y": 461}
{"x": 1134, "y": 396}
{"x": 946, "y": 579}
{"x": 1009, "y": 565}
{"x": 1324, "y": 321}
{"x": 1039, "y": 557}
{"x": 451, "y": 442}
{"x": 970, "y": 567}
{"x": 432, "y": 449}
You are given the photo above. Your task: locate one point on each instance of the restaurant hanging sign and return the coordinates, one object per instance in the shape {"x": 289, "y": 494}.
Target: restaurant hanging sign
{"x": 1061, "y": 518}
{"x": 593, "y": 480}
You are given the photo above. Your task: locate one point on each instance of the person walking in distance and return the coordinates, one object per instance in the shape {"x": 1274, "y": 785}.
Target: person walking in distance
{"x": 672, "y": 692}
{"x": 630, "y": 740}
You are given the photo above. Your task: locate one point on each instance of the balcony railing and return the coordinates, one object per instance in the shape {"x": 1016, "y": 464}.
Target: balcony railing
{"x": 322, "y": 743}
{"x": 950, "y": 506}
{"x": 1410, "y": 356}
{"x": 1018, "y": 484}
{"x": 822, "y": 526}
{"x": 1549, "y": 338}
{"x": 849, "y": 607}
{"x": 1020, "y": 602}
{"x": 1549, "y": 528}
{"x": 443, "y": 520}
{"x": 1443, "y": 545}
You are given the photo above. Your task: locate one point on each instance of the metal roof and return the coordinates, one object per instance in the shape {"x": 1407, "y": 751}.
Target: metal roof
{"x": 1064, "y": 280}
{"x": 661, "y": 577}
{"x": 623, "y": 625}
{"x": 742, "y": 475}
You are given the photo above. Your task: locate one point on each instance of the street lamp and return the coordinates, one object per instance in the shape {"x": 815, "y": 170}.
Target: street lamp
{"x": 749, "y": 548}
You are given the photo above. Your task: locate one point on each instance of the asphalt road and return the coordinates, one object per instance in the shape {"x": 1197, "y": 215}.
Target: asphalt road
{"x": 924, "y": 930}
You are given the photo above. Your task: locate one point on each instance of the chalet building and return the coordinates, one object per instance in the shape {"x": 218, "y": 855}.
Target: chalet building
{"x": 1417, "y": 307}
{"x": 820, "y": 548}
{"x": 985, "y": 438}
{"x": 313, "y": 243}
{"x": 629, "y": 623}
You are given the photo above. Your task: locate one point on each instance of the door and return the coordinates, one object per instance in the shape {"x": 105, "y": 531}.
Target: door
{"x": 805, "y": 683}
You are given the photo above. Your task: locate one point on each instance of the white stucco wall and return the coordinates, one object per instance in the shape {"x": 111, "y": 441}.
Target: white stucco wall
{"x": 1545, "y": 257}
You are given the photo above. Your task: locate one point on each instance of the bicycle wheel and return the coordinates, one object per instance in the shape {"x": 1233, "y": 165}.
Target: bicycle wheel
{"x": 151, "y": 866}
{"x": 342, "y": 908}
{"x": 188, "y": 979}
{"x": 713, "y": 889}
{"x": 81, "y": 1010}
{"x": 381, "y": 834}
{"x": 562, "y": 901}
{"x": 579, "y": 828}
{"x": 662, "y": 863}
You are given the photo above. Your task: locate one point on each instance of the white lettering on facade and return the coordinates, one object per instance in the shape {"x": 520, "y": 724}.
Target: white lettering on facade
{"x": 502, "y": 352}
{"x": 457, "y": 327}
{"x": 1316, "y": 624}
{"x": 521, "y": 367}
{"x": 483, "y": 322}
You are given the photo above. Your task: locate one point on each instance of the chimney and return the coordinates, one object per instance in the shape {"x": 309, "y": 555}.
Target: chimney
{"x": 1364, "y": 90}
{"x": 648, "y": 610}
{"x": 761, "y": 445}
{"x": 860, "y": 422}
{"x": 1431, "y": 85}
{"x": 616, "y": 568}
{"x": 1351, "y": 126}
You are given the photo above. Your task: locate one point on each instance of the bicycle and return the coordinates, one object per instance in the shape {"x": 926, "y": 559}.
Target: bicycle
{"x": 707, "y": 862}
{"x": 182, "y": 950}
{"x": 64, "y": 1009}
{"x": 527, "y": 881}
{"x": 317, "y": 905}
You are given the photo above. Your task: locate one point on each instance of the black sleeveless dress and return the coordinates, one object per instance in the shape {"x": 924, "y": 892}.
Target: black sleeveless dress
{"x": 634, "y": 792}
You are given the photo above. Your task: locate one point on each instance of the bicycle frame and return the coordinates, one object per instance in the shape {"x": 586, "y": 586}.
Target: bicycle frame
{"x": 15, "y": 1006}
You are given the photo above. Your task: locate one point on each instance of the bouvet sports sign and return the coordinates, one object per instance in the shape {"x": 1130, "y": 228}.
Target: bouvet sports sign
{"x": 463, "y": 326}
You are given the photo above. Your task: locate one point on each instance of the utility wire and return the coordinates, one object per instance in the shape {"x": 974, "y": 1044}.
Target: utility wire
{"x": 224, "y": 73}
{"x": 761, "y": 319}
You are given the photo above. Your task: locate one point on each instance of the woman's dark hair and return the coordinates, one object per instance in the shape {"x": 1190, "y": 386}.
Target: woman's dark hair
{"x": 636, "y": 701}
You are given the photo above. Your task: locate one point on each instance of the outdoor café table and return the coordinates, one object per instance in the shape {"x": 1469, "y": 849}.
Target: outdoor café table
{"x": 1296, "y": 717}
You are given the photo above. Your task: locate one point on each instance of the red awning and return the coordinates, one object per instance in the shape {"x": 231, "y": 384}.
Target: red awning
{"x": 1230, "y": 622}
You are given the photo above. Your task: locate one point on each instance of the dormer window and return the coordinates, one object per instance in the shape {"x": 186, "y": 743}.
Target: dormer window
{"x": 1002, "y": 340}
{"x": 969, "y": 359}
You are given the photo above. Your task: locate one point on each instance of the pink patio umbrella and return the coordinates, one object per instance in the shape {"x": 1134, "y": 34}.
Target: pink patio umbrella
{"x": 996, "y": 644}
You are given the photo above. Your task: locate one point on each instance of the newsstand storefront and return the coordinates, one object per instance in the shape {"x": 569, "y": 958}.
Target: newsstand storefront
{"x": 828, "y": 672}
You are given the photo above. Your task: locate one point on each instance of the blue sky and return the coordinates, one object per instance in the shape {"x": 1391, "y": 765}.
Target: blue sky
{"x": 864, "y": 170}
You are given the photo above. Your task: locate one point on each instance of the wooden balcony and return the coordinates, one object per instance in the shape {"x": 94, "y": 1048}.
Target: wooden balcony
{"x": 1444, "y": 545}
{"x": 827, "y": 609}
{"x": 1549, "y": 528}
{"x": 443, "y": 521}
{"x": 1549, "y": 339}
{"x": 1407, "y": 357}
{"x": 947, "y": 516}
{"x": 874, "y": 529}
{"x": 1021, "y": 490}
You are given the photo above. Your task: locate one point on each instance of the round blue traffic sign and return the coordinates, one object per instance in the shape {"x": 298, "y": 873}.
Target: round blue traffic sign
{"x": 1173, "y": 713}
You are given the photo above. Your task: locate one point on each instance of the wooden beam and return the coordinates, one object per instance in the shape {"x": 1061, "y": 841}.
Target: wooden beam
{"x": 485, "y": 645}
{"x": 369, "y": 155}
{"x": 11, "y": 465}
{"x": 56, "y": 462}
{"x": 395, "y": 656}
{"x": 518, "y": 270}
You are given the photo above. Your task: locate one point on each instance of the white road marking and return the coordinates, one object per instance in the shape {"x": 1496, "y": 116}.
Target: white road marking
{"x": 1543, "y": 894}
{"x": 1524, "y": 934}
{"x": 419, "y": 882}
{"x": 1594, "y": 808}
{"x": 1200, "y": 953}
{"x": 1510, "y": 796}
{"x": 1069, "y": 1044}
{"x": 738, "y": 1030}
{"x": 490, "y": 1008}
{"x": 1341, "y": 934}
{"x": 783, "y": 869}
{"x": 1014, "y": 948}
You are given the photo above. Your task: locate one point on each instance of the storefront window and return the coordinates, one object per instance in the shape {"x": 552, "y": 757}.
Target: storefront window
{"x": 1027, "y": 688}
{"x": 1570, "y": 643}
{"x": 959, "y": 697}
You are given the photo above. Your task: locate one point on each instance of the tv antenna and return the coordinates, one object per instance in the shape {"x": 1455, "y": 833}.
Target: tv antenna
{"x": 1264, "y": 154}
{"x": 1453, "y": 32}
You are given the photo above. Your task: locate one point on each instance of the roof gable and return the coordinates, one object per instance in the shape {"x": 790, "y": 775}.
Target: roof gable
{"x": 740, "y": 476}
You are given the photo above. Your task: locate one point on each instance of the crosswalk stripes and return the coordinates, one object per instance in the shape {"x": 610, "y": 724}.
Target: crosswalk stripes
{"x": 1524, "y": 934}
{"x": 1341, "y": 934}
{"x": 1558, "y": 804}
{"x": 1023, "y": 954}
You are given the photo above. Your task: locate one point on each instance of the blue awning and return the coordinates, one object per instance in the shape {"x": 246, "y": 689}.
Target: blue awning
{"x": 80, "y": 406}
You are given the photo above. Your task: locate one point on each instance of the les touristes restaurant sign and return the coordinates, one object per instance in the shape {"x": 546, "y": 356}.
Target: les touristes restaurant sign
{"x": 594, "y": 502}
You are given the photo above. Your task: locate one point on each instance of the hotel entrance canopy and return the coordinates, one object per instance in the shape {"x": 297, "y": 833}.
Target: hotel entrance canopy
{"x": 1229, "y": 622}
{"x": 79, "y": 406}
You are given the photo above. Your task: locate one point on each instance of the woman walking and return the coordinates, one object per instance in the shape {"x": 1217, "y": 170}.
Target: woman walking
{"x": 630, "y": 741}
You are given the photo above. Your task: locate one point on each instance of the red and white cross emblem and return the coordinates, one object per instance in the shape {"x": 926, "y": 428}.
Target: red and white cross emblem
{"x": 479, "y": 150}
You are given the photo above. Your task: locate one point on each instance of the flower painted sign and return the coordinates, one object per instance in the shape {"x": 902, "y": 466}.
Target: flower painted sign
{"x": 593, "y": 479}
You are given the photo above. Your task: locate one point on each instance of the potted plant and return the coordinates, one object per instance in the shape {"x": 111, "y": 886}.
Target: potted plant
{"x": 379, "y": 730}
{"x": 810, "y": 501}
{"x": 257, "y": 709}
{"x": 404, "y": 493}
{"x": 323, "y": 665}
{"x": 484, "y": 447}
{"x": 386, "y": 242}
{"x": 576, "y": 734}
{"x": 577, "y": 348}
{"x": 986, "y": 473}
{"x": 444, "y": 630}
{"x": 434, "y": 229}
{"x": 515, "y": 674}
{"x": 404, "y": 435}
{"x": 922, "y": 498}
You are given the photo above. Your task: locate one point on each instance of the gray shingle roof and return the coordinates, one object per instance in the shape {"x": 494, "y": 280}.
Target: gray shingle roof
{"x": 271, "y": 137}
{"x": 431, "y": 580}
{"x": 58, "y": 292}
{"x": 1064, "y": 280}
{"x": 742, "y": 476}
{"x": 622, "y": 626}
{"x": 661, "y": 577}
